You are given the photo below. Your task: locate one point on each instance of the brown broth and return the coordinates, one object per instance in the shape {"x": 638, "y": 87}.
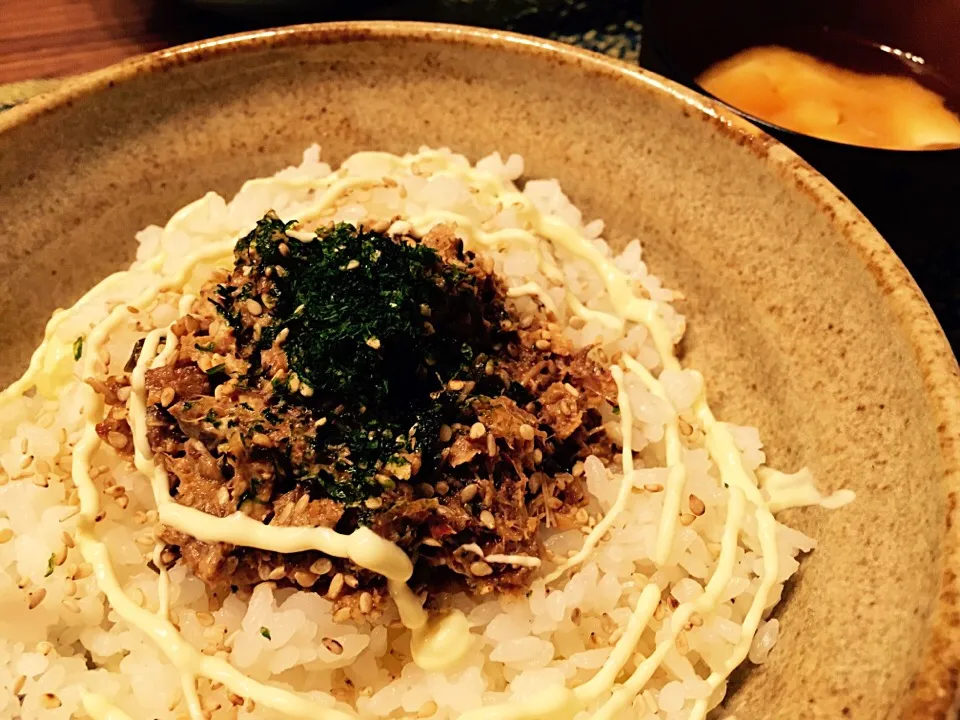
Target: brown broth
{"x": 802, "y": 93}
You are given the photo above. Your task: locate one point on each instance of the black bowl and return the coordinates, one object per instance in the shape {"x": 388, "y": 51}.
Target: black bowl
{"x": 911, "y": 196}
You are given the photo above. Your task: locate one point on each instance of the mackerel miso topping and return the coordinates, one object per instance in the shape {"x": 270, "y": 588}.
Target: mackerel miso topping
{"x": 356, "y": 378}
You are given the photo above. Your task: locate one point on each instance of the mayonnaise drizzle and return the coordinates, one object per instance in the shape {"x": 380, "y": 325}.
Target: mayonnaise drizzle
{"x": 440, "y": 641}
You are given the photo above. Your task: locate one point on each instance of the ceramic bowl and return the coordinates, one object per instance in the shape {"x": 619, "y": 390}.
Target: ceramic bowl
{"x": 801, "y": 317}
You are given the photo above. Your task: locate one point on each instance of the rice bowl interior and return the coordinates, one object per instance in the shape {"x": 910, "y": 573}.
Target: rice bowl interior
{"x": 661, "y": 584}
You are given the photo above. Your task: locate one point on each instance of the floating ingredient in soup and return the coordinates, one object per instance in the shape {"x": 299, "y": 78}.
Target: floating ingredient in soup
{"x": 807, "y": 95}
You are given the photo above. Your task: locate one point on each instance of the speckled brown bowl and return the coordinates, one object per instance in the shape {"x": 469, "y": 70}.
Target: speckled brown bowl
{"x": 801, "y": 317}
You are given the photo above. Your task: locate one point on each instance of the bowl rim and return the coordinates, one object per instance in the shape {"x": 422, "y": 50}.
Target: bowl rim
{"x": 933, "y": 691}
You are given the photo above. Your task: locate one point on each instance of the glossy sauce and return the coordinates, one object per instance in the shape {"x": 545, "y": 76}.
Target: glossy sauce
{"x": 439, "y": 641}
{"x": 800, "y": 92}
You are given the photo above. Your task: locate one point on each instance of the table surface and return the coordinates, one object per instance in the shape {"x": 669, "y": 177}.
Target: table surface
{"x": 55, "y": 38}
{"x": 47, "y": 39}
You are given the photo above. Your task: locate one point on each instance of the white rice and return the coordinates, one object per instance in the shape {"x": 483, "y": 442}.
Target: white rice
{"x": 72, "y": 643}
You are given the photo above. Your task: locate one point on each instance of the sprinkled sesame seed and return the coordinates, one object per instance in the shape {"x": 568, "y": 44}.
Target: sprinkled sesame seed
{"x": 487, "y": 520}
{"x": 480, "y": 569}
{"x": 36, "y": 597}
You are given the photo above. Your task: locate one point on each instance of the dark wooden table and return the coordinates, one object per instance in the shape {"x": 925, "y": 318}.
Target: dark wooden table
{"x": 55, "y": 38}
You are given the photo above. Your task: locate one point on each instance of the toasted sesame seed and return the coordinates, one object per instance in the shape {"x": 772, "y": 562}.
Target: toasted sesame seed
{"x": 261, "y": 440}
{"x": 336, "y": 587}
{"x": 333, "y": 646}
{"x": 469, "y": 492}
{"x": 446, "y": 432}
{"x": 321, "y": 566}
{"x": 85, "y": 570}
{"x": 294, "y": 383}
{"x": 277, "y": 573}
{"x": 373, "y": 503}
{"x": 696, "y": 506}
{"x": 487, "y": 520}
{"x": 480, "y": 569}
{"x": 50, "y": 701}
{"x": 373, "y": 342}
{"x": 687, "y": 519}
{"x": 167, "y": 396}
{"x": 306, "y": 391}
{"x": 117, "y": 439}
{"x": 70, "y": 587}
{"x": 366, "y": 602}
{"x": 492, "y": 445}
{"x": 455, "y": 385}
{"x": 353, "y": 264}
{"x": 284, "y": 249}
{"x": 18, "y": 684}
{"x": 527, "y": 432}
{"x": 6, "y": 535}
{"x": 25, "y": 461}
{"x": 653, "y": 487}
{"x": 40, "y": 481}
{"x": 477, "y": 431}
{"x": 542, "y": 344}
{"x": 253, "y": 307}
{"x": 342, "y": 615}
{"x": 304, "y": 578}
{"x": 36, "y": 597}
{"x": 60, "y": 556}
{"x": 320, "y": 423}
{"x": 205, "y": 619}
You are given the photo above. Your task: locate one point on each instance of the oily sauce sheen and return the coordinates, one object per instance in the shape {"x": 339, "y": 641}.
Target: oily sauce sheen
{"x": 802, "y": 93}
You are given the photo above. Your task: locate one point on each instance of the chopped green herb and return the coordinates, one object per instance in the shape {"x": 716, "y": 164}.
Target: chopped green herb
{"x": 49, "y": 571}
{"x": 616, "y": 410}
{"x": 373, "y": 331}
{"x": 216, "y": 369}
{"x": 78, "y": 347}
{"x": 265, "y": 632}
{"x": 207, "y": 347}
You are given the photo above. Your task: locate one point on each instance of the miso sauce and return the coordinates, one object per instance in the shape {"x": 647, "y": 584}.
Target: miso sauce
{"x": 803, "y": 93}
